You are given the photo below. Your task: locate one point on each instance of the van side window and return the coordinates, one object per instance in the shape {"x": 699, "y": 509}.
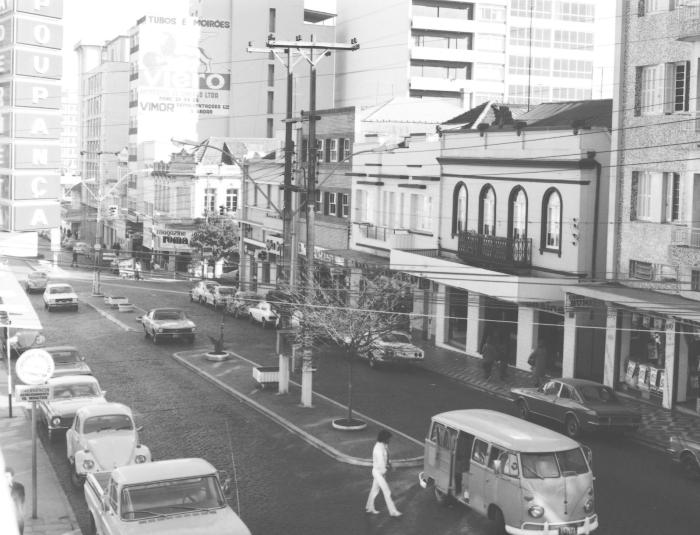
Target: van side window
{"x": 443, "y": 436}
{"x": 481, "y": 448}
{"x": 436, "y": 432}
{"x": 494, "y": 454}
{"x": 509, "y": 464}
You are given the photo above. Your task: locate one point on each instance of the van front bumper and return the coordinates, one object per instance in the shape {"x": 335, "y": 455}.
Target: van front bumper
{"x": 578, "y": 527}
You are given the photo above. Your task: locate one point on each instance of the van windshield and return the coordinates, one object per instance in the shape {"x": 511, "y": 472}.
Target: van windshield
{"x": 553, "y": 465}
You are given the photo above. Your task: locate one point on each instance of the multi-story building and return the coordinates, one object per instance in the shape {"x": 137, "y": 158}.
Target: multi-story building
{"x": 102, "y": 128}
{"x": 652, "y": 336}
{"x": 491, "y": 221}
{"x": 69, "y": 133}
{"x": 517, "y": 51}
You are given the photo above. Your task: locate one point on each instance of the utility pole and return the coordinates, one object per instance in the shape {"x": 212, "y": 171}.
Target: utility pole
{"x": 306, "y": 50}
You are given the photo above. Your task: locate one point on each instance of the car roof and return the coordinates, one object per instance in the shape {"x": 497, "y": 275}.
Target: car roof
{"x": 72, "y": 379}
{"x": 103, "y": 409}
{"x": 507, "y": 431}
{"x": 577, "y": 382}
{"x": 56, "y": 284}
{"x": 37, "y": 274}
{"x": 162, "y": 471}
{"x": 168, "y": 309}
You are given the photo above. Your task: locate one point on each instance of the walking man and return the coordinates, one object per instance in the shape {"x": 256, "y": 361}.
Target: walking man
{"x": 538, "y": 361}
{"x": 380, "y": 465}
{"x": 17, "y": 494}
{"x": 137, "y": 270}
{"x": 489, "y": 352}
{"x": 74, "y": 263}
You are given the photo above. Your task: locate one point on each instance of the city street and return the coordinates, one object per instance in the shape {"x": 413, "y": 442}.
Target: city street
{"x": 186, "y": 416}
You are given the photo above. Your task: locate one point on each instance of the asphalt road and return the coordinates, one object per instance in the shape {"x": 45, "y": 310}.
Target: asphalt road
{"x": 287, "y": 486}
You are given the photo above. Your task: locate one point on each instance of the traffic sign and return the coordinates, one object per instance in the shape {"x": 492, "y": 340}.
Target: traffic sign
{"x": 32, "y": 392}
{"x": 34, "y": 366}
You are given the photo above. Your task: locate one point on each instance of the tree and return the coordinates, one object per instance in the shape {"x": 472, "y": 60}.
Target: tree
{"x": 376, "y": 306}
{"x": 221, "y": 237}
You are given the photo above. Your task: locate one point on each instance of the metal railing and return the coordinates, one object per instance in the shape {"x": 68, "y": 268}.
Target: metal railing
{"x": 688, "y": 16}
{"x": 690, "y": 237}
{"x": 514, "y": 252}
{"x": 394, "y": 238}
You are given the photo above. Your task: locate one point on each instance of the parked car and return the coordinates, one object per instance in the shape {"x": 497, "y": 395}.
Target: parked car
{"x": 103, "y": 437}
{"x": 60, "y": 295}
{"x": 392, "y": 347}
{"x": 68, "y": 394}
{"x": 263, "y": 313}
{"x": 200, "y": 289}
{"x": 161, "y": 323}
{"x": 36, "y": 281}
{"x": 578, "y": 404}
{"x": 687, "y": 453}
{"x": 218, "y": 295}
{"x": 81, "y": 247}
{"x": 68, "y": 361}
{"x": 241, "y": 302}
{"x": 22, "y": 340}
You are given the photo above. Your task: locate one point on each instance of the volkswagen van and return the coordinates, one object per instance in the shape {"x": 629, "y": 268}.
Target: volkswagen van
{"x": 523, "y": 477}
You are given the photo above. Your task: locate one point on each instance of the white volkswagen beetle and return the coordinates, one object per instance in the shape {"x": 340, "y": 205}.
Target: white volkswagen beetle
{"x": 103, "y": 437}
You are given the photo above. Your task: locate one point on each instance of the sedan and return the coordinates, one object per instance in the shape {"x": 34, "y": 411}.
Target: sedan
{"x": 161, "y": 323}
{"x": 68, "y": 394}
{"x": 217, "y": 296}
{"x": 263, "y": 313}
{"x": 103, "y": 437}
{"x": 60, "y": 296}
{"x": 201, "y": 289}
{"x": 686, "y": 452}
{"x": 81, "y": 247}
{"x": 68, "y": 361}
{"x": 578, "y": 404}
{"x": 392, "y": 347}
{"x": 36, "y": 281}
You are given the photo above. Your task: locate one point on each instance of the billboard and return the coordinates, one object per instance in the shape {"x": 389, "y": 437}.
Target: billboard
{"x": 184, "y": 72}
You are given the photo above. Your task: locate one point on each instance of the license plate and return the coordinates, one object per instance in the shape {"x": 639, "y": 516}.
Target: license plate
{"x": 568, "y": 530}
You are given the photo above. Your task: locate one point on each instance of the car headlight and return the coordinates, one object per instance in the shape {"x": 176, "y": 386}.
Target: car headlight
{"x": 56, "y": 421}
{"x": 536, "y": 511}
{"x": 140, "y": 459}
{"x": 589, "y": 506}
{"x": 159, "y": 329}
{"x": 88, "y": 464}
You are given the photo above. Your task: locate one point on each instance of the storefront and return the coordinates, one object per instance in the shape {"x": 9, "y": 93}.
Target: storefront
{"x": 457, "y": 305}
{"x": 642, "y": 350}
{"x": 171, "y": 249}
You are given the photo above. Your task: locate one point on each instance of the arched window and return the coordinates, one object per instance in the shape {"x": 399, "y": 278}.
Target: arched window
{"x": 487, "y": 211}
{"x": 517, "y": 214}
{"x": 551, "y": 218}
{"x": 459, "y": 208}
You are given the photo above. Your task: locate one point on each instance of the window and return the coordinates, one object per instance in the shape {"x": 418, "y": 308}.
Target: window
{"x": 565, "y": 392}
{"x": 641, "y": 198}
{"x": 490, "y": 71}
{"x": 271, "y": 74}
{"x": 317, "y": 201}
{"x": 491, "y": 13}
{"x": 329, "y": 204}
{"x": 655, "y": 6}
{"x": 360, "y": 204}
{"x": 487, "y": 211}
{"x": 210, "y": 200}
{"x": 518, "y": 214}
{"x": 480, "y": 451}
{"x": 552, "y": 210}
{"x": 346, "y": 148}
{"x": 676, "y": 85}
{"x": 341, "y": 150}
{"x": 442, "y": 40}
{"x": 270, "y": 102}
{"x": 459, "y": 209}
{"x": 491, "y": 42}
{"x": 231, "y": 200}
{"x": 332, "y": 150}
{"x": 429, "y": 9}
{"x": 272, "y": 21}
{"x": 641, "y": 270}
{"x": 572, "y": 68}
{"x": 494, "y": 454}
{"x": 570, "y": 93}
{"x": 345, "y": 205}
{"x": 539, "y": 9}
{"x": 521, "y": 65}
{"x": 651, "y": 89}
{"x": 441, "y": 69}
{"x": 575, "y": 11}
{"x": 573, "y": 40}
{"x": 421, "y": 212}
{"x": 319, "y": 150}
{"x": 695, "y": 280}
{"x": 672, "y": 194}
{"x": 270, "y": 128}
{"x": 520, "y": 94}
{"x": 541, "y": 37}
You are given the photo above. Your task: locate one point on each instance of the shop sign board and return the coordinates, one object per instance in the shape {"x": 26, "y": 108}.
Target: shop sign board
{"x": 32, "y": 392}
{"x": 34, "y": 216}
{"x": 36, "y": 185}
{"x": 34, "y": 366}
{"x": 172, "y": 239}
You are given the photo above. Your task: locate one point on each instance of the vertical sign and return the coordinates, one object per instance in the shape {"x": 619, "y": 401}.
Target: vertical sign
{"x": 31, "y": 64}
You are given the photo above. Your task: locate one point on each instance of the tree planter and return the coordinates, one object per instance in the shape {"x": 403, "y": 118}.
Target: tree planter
{"x": 349, "y": 424}
{"x": 266, "y": 376}
{"x": 217, "y": 356}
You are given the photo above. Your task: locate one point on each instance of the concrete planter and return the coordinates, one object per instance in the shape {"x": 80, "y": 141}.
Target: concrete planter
{"x": 344, "y": 424}
{"x": 217, "y": 357}
{"x": 125, "y": 307}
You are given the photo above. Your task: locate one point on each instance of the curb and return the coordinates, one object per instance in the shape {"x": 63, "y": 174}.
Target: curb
{"x": 111, "y": 318}
{"x": 307, "y": 437}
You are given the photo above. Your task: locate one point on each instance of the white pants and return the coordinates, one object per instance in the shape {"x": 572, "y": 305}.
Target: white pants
{"x": 379, "y": 483}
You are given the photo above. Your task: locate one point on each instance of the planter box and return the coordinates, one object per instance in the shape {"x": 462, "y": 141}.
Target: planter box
{"x": 115, "y": 301}
{"x": 125, "y": 307}
{"x": 266, "y": 376}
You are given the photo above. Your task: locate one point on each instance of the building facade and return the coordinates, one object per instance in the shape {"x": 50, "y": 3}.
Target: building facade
{"x": 652, "y": 343}
{"x": 516, "y": 51}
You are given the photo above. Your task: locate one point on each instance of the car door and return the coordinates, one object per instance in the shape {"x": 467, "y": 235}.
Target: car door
{"x": 72, "y": 438}
{"x": 564, "y": 403}
{"x": 543, "y": 399}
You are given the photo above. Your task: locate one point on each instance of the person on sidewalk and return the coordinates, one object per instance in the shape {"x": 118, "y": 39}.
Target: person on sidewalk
{"x": 538, "y": 362}
{"x": 380, "y": 465}
{"x": 74, "y": 263}
{"x": 17, "y": 493}
{"x": 137, "y": 270}
{"x": 502, "y": 352}
{"x": 489, "y": 352}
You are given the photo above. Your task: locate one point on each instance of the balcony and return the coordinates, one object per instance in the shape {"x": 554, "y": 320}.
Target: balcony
{"x": 688, "y": 17}
{"x": 494, "y": 250}
{"x": 383, "y": 237}
{"x": 686, "y": 237}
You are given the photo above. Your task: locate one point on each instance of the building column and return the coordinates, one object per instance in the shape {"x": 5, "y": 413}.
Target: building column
{"x": 440, "y": 314}
{"x": 475, "y": 327}
{"x": 669, "y": 364}
{"x": 610, "y": 342}
{"x": 527, "y": 335}
{"x": 568, "y": 358}
{"x": 625, "y": 335}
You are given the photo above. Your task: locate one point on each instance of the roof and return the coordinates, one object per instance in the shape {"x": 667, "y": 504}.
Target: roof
{"x": 588, "y": 113}
{"x": 162, "y": 471}
{"x": 71, "y": 379}
{"x": 103, "y": 409}
{"x": 174, "y": 309}
{"x": 406, "y": 110}
{"x": 239, "y": 147}
{"x": 483, "y": 113}
{"x": 507, "y": 431}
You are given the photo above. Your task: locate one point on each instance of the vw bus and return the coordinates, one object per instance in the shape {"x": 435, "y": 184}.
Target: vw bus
{"x": 523, "y": 477}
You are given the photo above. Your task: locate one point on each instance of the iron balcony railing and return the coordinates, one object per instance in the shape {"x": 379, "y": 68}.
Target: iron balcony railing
{"x": 688, "y": 16}
{"x": 689, "y": 237}
{"x": 483, "y": 248}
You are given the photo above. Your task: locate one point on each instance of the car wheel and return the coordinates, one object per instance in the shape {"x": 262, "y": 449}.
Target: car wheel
{"x": 498, "y": 523}
{"x": 154, "y": 338}
{"x": 523, "y": 410}
{"x": 76, "y": 479}
{"x": 572, "y": 426}
{"x": 690, "y": 466}
{"x": 145, "y": 332}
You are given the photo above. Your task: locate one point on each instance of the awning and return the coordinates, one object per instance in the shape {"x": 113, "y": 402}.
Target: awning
{"x": 352, "y": 258}
{"x": 639, "y": 299}
{"x": 14, "y": 301}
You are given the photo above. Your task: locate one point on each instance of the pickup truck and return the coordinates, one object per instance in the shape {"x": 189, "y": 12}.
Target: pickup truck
{"x": 178, "y": 496}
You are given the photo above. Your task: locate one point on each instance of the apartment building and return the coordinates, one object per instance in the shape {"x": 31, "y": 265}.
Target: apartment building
{"x": 652, "y": 347}
{"x": 516, "y": 51}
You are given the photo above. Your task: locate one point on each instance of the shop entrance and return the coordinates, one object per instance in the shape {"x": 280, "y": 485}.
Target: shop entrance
{"x": 550, "y": 329}
{"x": 456, "y": 324}
{"x": 501, "y": 322}
{"x": 591, "y": 324}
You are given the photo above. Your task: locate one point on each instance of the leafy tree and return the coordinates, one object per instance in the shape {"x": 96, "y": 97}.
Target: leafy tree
{"x": 220, "y": 236}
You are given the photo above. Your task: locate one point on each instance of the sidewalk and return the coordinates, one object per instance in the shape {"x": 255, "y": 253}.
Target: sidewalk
{"x": 54, "y": 513}
{"x": 658, "y": 424}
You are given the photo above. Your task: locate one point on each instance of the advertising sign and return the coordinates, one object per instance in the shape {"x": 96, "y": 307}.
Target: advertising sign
{"x": 32, "y": 392}
{"x": 35, "y": 94}
{"x": 47, "y": 8}
{"x": 33, "y": 216}
{"x": 36, "y": 186}
{"x": 36, "y": 156}
{"x": 37, "y": 125}
{"x": 39, "y": 33}
{"x": 38, "y": 63}
{"x": 172, "y": 240}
